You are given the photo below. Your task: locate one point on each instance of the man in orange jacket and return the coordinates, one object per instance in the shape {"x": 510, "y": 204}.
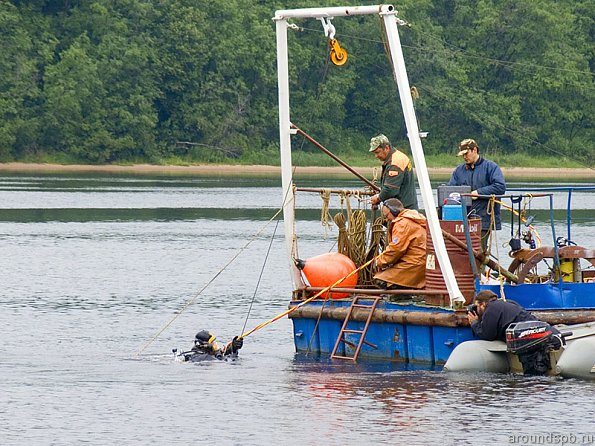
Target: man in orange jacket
{"x": 403, "y": 262}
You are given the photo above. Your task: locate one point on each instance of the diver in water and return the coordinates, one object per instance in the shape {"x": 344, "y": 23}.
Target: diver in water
{"x": 206, "y": 348}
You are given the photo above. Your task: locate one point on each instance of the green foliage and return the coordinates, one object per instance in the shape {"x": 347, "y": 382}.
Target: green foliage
{"x": 20, "y": 92}
{"x": 181, "y": 81}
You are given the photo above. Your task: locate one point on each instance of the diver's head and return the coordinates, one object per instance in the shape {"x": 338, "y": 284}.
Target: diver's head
{"x": 206, "y": 340}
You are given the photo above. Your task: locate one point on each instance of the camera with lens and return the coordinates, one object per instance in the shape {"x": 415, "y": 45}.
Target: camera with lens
{"x": 472, "y": 309}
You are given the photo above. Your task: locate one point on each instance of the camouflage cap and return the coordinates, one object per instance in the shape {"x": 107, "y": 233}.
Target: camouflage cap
{"x": 378, "y": 141}
{"x": 466, "y": 145}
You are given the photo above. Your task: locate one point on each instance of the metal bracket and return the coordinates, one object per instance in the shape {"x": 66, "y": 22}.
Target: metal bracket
{"x": 328, "y": 27}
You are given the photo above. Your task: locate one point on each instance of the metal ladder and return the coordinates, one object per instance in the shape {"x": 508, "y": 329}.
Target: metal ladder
{"x": 344, "y": 329}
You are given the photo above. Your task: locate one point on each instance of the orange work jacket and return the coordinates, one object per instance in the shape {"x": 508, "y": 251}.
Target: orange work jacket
{"x": 403, "y": 262}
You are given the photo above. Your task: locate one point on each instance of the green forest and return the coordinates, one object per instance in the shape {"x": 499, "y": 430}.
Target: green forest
{"x": 177, "y": 81}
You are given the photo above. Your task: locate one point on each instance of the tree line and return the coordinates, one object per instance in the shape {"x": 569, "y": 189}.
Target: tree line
{"x": 98, "y": 81}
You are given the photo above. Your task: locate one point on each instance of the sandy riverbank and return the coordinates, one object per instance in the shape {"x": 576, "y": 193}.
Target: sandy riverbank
{"x": 212, "y": 169}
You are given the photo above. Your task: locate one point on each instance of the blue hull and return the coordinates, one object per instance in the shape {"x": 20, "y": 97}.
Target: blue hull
{"x": 394, "y": 341}
{"x": 551, "y": 295}
{"x": 428, "y": 342}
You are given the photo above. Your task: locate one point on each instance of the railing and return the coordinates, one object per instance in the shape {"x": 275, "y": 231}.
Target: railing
{"x": 569, "y": 190}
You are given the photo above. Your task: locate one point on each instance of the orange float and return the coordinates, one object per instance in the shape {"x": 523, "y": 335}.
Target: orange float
{"x": 326, "y": 269}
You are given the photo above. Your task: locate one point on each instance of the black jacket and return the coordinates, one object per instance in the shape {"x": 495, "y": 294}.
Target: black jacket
{"x": 498, "y": 315}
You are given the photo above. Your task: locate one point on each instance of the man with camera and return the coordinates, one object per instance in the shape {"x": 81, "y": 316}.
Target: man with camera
{"x": 489, "y": 317}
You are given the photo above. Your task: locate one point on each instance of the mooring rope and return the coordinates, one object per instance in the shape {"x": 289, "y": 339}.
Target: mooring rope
{"x": 493, "y": 234}
{"x": 492, "y": 229}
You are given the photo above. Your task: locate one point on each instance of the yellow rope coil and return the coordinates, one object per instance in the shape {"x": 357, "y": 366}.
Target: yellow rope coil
{"x": 352, "y": 239}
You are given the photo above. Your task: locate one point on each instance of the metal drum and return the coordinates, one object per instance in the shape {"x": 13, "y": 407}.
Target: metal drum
{"x": 459, "y": 258}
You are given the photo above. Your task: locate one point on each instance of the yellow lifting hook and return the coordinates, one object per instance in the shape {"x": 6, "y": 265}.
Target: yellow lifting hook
{"x": 338, "y": 55}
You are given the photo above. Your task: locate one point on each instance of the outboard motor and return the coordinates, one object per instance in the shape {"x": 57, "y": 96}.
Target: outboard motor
{"x": 532, "y": 342}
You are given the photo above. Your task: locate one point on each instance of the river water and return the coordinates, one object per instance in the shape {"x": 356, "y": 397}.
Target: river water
{"x": 101, "y": 276}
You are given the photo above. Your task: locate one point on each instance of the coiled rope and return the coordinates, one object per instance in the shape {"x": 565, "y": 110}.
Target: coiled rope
{"x": 352, "y": 240}
{"x": 343, "y": 245}
{"x": 357, "y": 236}
{"x": 377, "y": 244}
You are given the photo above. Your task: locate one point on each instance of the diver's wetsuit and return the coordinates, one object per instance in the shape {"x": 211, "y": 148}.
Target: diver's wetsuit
{"x": 198, "y": 354}
{"x": 206, "y": 349}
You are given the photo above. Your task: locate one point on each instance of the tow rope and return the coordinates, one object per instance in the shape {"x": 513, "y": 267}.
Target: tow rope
{"x": 310, "y": 299}
{"x": 191, "y": 301}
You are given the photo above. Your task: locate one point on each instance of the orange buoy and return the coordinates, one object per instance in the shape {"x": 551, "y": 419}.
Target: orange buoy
{"x": 324, "y": 270}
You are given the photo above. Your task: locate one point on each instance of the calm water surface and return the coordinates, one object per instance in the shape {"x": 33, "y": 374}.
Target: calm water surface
{"x": 93, "y": 267}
